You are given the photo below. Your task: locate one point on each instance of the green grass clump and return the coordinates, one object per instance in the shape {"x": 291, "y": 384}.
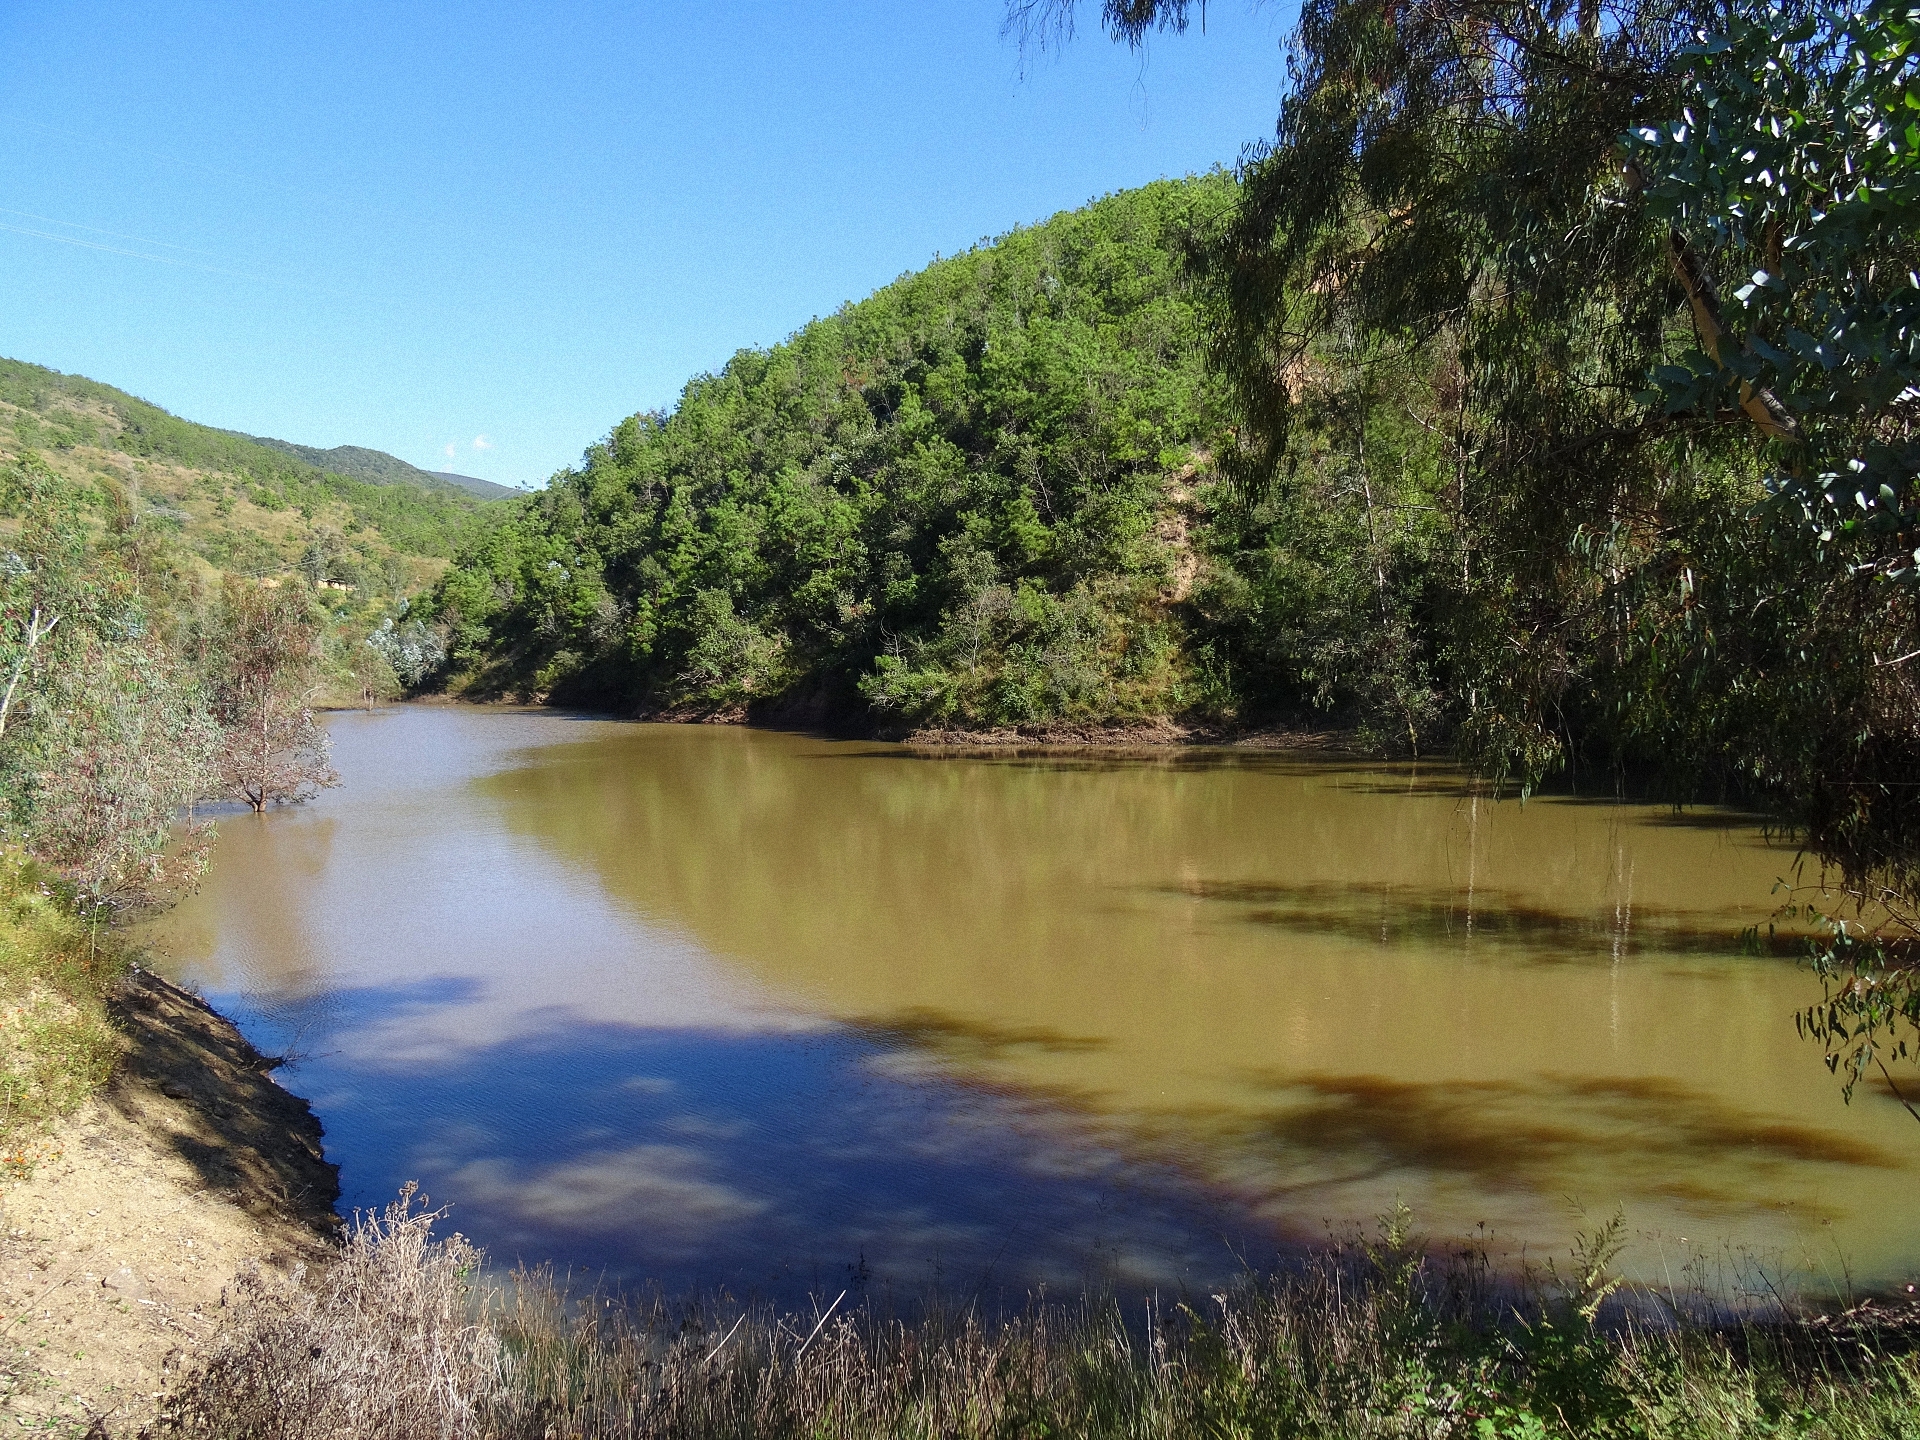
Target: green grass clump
{"x": 57, "y": 1044}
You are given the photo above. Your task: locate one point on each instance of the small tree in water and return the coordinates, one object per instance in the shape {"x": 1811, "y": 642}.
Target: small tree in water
{"x": 264, "y": 664}
{"x": 372, "y": 674}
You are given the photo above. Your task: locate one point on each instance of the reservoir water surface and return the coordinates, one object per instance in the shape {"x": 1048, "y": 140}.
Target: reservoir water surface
{"x": 714, "y": 1007}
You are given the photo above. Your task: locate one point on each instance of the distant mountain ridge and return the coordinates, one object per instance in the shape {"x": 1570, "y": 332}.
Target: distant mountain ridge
{"x": 474, "y": 485}
{"x": 243, "y": 506}
{"x": 377, "y": 467}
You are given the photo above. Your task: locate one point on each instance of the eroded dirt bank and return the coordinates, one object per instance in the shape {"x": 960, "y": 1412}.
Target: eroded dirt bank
{"x": 1143, "y": 736}
{"x": 118, "y": 1248}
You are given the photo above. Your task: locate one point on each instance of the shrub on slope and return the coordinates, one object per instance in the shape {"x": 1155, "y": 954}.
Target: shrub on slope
{"x": 964, "y": 500}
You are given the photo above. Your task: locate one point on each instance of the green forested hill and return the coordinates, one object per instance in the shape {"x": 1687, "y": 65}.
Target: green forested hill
{"x": 242, "y": 505}
{"x": 986, "y": 495}
{"x": 356, "y": 462}
{"x": 377, "y": 467}
{"x": 970, "y": 498}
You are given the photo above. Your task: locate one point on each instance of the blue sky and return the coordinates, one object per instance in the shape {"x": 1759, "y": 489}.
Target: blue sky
{"x": 501, "y": 228}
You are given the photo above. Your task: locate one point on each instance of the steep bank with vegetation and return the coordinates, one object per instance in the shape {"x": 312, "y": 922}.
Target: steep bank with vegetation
{"x": 146, "y": 1156}
{"x": 978, "y": 497}
{"x": 147, "y": 1159}
{"x": 57, "y": 1045}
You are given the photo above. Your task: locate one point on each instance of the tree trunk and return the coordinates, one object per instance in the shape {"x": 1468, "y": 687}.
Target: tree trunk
{"x": 1760, "y": 405}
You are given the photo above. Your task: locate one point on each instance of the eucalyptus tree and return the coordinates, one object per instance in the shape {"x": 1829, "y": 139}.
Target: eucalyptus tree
{"x": 105, "y": 737}
{"x": 263, "y": 661}
{"x": 1439, "y": 206}
{"x": 1789, "y": 178}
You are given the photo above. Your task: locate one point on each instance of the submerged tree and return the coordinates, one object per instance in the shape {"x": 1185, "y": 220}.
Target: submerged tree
{"x": 263, "y": 656}
{"x": 371, "y": 673}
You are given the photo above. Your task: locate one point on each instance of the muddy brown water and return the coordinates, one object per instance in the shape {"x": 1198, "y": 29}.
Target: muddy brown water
{"x": 719, "y": 1007}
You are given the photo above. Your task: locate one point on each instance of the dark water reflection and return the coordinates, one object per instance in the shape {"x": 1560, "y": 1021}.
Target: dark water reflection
{"x": 714, "y": 1007}
{"x": 769, "y": 1164}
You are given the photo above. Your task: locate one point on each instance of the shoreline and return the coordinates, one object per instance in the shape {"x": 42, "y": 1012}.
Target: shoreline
{"x": 193, "y": 1168}
{"x": 1163, "y": 734}
{"x": 190, "y": 1167}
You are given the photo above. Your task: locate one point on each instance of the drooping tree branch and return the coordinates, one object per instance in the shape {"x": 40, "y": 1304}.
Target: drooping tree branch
{"x": 1042, "y": 23}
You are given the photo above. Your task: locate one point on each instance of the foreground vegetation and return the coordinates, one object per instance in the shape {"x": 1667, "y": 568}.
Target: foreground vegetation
{"x": 57, "y": 1045}
{"x": 403, "y": 1338}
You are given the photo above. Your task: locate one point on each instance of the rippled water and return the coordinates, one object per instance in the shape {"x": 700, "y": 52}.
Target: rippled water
{"x": 717, "y": 1006}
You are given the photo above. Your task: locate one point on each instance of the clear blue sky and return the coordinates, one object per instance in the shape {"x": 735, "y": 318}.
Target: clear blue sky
{"x": 415, "y": 224}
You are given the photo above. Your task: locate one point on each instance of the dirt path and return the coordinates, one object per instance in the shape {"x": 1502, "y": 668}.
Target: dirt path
{"x": 116, "y": 1252}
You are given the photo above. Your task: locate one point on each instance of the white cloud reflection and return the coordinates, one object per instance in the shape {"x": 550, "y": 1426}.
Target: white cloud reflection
{"x": 666, "y": 1195}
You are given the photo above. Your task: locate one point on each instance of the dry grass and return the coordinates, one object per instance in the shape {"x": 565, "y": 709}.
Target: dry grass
{"x": 57, "y": 1046}
{"x": 383, "y": 1342}
{"x": 402, "y": 1339}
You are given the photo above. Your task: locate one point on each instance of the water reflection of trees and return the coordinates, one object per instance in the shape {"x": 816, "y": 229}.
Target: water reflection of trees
{"x": 1198, "y": 958}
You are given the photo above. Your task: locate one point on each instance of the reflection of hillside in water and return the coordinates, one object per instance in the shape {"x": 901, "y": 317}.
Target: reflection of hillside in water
{"x": 473, "y": 1011}
{"x": 1326, "y": 985}
{"x": 275, "y": 924}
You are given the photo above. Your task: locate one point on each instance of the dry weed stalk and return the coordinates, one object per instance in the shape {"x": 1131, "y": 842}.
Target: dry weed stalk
{"x": 381, "y": 1343}
{"x": 400, "y": 1339}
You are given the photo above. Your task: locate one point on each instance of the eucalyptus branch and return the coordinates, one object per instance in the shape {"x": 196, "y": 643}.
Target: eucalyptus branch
{"x": 1887, "y": 1075}
{"x": 36, "y": 632}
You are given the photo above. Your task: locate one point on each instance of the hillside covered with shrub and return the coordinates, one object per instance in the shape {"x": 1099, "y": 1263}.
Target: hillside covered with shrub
{"x": 1003, "y": 491}
{"x": 972, "y": 498}
{"x": 241, "y": 505}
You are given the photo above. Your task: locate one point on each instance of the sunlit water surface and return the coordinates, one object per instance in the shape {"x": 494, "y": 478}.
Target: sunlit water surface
{"x": 721, "y": 1007}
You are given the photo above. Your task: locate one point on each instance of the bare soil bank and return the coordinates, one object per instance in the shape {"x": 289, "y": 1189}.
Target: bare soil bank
{"x": 809, "y": 714}
{"x": 1157, "y": 734}
{"x": 116, "y": 1251}
{"x": 1146, "y": 736}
